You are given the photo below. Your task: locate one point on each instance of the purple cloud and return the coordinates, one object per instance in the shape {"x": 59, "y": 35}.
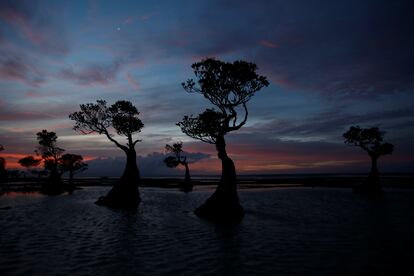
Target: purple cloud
{"x": 101, "y": 74}
{"x": 19, "y": 68}
{"x": 352, "y": 48}
{"x": 149, "y": 165}
{"x": 332, "y": 124}
{"x": 40, "y": 28}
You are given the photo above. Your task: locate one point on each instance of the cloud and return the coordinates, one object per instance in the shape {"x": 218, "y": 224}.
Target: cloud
{"x": 352, "y": 48}
{"x": 340, "y": 49}
{"x": 256, "y": 154}
{"x": 100, "y": 74}
{"x": 149, "y": 165}
{"x": 146, "y": 17}
{"x": 132, "y": 81}
{"x": 331, "y": 124}
{"x": 12, "y": 160}
{"x": 252, "y": 154}
{"x": 128, "y": 20}
{"x": 18, "y": 67}
{"x": 37, "y": 24}
{"x": 24, "y": 116}
{"x": 268, "y": 44}
{"x": 15, "y": 113}
{"x": 259, "y": 154}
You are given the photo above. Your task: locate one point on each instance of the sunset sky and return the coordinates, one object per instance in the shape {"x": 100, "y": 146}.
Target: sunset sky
{"x": 331, "y": 64}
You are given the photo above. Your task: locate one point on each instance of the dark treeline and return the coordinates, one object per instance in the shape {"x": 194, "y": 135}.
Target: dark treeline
{"x": 55, "y": 163}
{"x": 228, "y": 87}
{"x": 3, "y": 171}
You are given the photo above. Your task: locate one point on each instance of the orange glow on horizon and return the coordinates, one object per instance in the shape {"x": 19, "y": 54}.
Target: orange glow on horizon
{"x": 13, "y": 158}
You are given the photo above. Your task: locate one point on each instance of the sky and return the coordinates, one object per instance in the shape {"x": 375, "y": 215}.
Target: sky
{"x": 331, "y": 64}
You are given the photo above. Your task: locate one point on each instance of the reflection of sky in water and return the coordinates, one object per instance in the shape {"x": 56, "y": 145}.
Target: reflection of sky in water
{"x": 293, "y": 231}
{"x": 13, "y": 195}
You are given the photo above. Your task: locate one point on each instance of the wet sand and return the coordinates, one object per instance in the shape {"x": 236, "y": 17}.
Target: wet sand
{"x": 288, "y": 231}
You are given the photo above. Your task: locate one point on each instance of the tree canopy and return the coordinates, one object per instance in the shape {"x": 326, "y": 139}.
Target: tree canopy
{"x": 72, "y": 163}
{"x": 176, "y": 148}
{"x": 48, "y": 148}
{"x": 177, "y": 158}
{"x": 369, "y": 139}
{"x": 206, "y": 127}
{"x": 29, "y": 161}
{"x": 228, "y": 86}
{"x": 97, "y": 117}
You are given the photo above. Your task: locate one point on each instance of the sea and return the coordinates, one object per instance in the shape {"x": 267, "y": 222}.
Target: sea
{"x": 286, "y": 231}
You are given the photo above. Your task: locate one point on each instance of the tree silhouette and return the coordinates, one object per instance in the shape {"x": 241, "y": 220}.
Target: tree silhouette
{"x": 228, "y": 86}
{"x": 122, "y": 116}
{"x": 29, "y": 162}
{"x": 39, "y": 173}
{"x": 371, "y": 141}
{"x": 3, "y": 171}
{"x": 72, "y": 163}
{"x": 50, "y": 154}
{"x": 178, "y": 159}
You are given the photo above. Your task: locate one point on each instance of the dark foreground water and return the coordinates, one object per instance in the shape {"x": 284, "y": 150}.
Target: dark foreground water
{"x": 291, "y": 231}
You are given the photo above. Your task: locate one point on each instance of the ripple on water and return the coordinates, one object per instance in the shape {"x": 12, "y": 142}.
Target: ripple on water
{"x": 291, "y": 231}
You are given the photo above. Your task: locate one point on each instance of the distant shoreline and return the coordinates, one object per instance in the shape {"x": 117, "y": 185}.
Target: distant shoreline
{"x": 244, "y": 182}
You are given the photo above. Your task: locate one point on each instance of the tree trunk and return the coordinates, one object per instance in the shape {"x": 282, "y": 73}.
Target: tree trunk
{"x": 374, "y": 168}
{"x": 53, "y": 185}
{"x": 71, "y": 177}
{"x": 187, "y": 186}
{"x": 131, "y": 172}
{"x": 373, "y": 178}
{"x": 125, "y": 194}
{"x": 223, "y": 205}
{"x": 372, "y": 185}
{"x": 71, "y": 185}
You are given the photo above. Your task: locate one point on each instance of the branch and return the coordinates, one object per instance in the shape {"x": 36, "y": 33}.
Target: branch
{"x": 242, "y": 122}
{"x": 136, "y": 141}
{"x": 183, "y": 161}
{"x": 84, "y": 132}
{"x": 209, "y": 140}
{"x": 124, "y": 148}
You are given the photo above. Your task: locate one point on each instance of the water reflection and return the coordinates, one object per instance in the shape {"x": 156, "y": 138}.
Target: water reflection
{"x": 285, "y": 231}
{"x": 229, "y": 244}
{"x": 12, "y": 195}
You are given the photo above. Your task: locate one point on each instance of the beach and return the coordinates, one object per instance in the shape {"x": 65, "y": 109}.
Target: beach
{"x": 286, "y": 231}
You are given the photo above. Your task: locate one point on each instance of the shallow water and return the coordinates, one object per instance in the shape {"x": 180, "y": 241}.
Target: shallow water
{"x": 288, "y": 231}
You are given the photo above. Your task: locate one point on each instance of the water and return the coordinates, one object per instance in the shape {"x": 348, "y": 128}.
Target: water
{"x": 289, "y": 231}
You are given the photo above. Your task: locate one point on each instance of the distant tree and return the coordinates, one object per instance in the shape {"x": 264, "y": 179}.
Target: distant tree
{"x": 122, "y": 116}
{"x": 72, "y": 163}
{"x": 3, "y": 171}
{"x": 14, "y": 174}
{"x": 50, "y": 154}
{"x": 29, "y": 162}
{"x": 228, "y": 86}
{"x": 371, "y": 141}
{"x": 178, "y": 159}
{"x": 39, "y": 173}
